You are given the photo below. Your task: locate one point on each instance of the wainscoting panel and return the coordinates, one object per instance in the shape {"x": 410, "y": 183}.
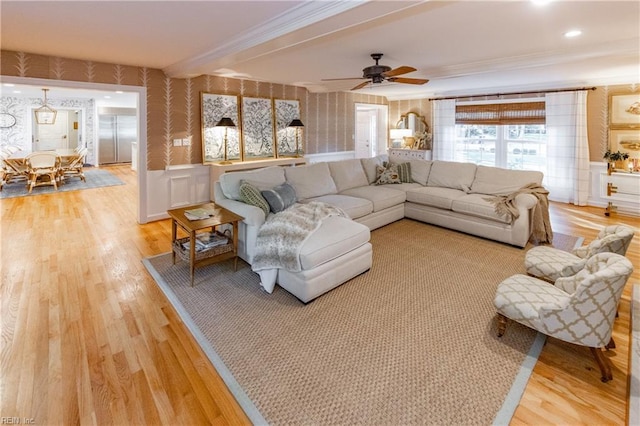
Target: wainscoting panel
{"x": 176, "y": 186}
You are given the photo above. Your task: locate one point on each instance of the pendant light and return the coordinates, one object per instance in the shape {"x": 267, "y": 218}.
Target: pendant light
{"x": 45, "y": 114}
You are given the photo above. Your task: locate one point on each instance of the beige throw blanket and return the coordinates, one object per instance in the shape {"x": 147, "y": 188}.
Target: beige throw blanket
{"x": 282, "y": 235}
{"x": 506, "y": 205}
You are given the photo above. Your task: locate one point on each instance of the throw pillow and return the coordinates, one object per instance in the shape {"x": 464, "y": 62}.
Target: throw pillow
{"x": 280, "y": 197}
{"x": 251, "y": 195}
{"x": 387, "y": 175}
{"x": 404, "y": 172}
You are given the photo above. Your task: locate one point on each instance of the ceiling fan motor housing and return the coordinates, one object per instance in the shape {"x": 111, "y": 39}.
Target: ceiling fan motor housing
{"x": 374, "y": 72}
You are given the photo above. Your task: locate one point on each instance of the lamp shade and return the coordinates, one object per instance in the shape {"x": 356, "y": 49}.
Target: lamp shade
{"x": 296, "y": 123}
{"x": 225, "y": 122}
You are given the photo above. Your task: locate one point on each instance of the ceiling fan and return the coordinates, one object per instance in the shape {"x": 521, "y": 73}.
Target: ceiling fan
{"x": 378, "y": 73}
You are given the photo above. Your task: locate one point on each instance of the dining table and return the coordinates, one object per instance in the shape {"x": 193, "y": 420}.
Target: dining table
{"x": 17, "y": 160}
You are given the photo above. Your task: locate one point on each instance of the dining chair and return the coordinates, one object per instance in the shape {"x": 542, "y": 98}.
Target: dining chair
{"x": 12, "y": 170}
{"x": 43, "y": 168}
{"x": 579, "y": 309}
{"x": 74, "y": 165}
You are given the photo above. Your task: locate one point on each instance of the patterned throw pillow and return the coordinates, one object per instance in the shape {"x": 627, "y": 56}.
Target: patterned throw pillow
{"x": 251, "y": 195}
{"x": 280, "y": 197}
{"x": 404, "y": 171}
{"x": 386, "y": 175}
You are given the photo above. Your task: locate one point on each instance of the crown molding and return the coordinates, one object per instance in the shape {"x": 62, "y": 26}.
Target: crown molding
{"x": 296, "y": 18}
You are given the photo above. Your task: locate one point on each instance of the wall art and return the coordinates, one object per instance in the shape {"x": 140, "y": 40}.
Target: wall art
{"x": 214, "y": 107}
{"x": 286, "y": 143}
{"x": 624, "y": 111}
{"x": 257, "y": 128}
{"x": 625, "y": 140}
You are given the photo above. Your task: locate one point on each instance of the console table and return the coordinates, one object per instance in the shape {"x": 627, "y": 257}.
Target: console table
{"x": 620, "y": 188}
{"x": 409, "y": 154}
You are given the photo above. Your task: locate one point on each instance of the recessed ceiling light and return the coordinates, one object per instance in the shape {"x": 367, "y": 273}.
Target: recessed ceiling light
{"x": 107, "y": 97}
{"x": 572, "y": 33}
{"x": 9, "y": 84}
{"x": 17, "y": 91}
{"x": 541, "y": 2}
{"x": 119, "y": 91}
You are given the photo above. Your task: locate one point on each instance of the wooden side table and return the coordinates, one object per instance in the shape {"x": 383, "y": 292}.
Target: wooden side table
{"x": 219, "y": 216}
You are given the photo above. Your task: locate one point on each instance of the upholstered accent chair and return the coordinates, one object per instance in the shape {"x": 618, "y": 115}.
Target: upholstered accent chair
{"x": 550, "y": 263}
{"x": 579, "y": 309}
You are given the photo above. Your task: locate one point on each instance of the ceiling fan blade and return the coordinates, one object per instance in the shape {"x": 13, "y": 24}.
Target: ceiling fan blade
{"x": 398, "y": 71}
{"x": 347, "y": 78}
{"x": 361, "y": 85}
{"x": 408, "y": 80}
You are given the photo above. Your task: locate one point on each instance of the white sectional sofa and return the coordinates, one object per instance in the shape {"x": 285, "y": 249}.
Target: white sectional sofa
{"x": 448, "y": 194}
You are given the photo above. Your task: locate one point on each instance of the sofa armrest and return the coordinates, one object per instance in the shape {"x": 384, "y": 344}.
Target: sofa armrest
{"x": 252, "y": 215}
{"x": 526, "y": 201}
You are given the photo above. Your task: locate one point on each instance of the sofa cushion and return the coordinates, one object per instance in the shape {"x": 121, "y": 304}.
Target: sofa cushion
{"x": 497, "y": 181}
{"x": 313, "y": 180}
{"x": 369, "y": 166}
{"x": 442, "y": 198}
{"x": 420, "y": 171}
{"x": 387, "y": 174}
{"x": 449, "y": 174}
{"x": 230, "y": 181}
{"x": 348, "y": 174}
{"x": 476, "y": 205}
{"x": 335, "y": 237}
{"x": 251, "y": 195}
{"x": 354, "y": 207}
{"x": 382, "y": 197}
{"x": 280, "y": 197}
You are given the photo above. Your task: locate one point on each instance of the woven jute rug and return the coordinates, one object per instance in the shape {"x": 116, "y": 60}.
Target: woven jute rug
{"x": 411, "y": 341}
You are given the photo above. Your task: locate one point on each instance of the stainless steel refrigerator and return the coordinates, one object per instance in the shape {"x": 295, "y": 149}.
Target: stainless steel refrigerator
{"x": 117, "y": 131}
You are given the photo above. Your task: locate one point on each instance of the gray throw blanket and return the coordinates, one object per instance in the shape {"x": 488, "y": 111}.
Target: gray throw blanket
{"x": 282, "y": 235}
{"x": 506, "y": 206}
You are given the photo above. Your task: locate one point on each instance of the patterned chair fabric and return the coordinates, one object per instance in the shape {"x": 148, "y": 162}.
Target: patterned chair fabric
{"x": 549, "y": 263}
{"x": 580, "y": 310}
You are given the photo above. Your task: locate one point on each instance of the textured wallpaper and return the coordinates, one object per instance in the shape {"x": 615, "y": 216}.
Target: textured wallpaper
{"x": 173, "y": 105}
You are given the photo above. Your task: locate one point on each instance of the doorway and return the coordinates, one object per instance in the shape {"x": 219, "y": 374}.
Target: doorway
{"x": 370, "y": 130}
{"x": 140, "y": 96}
{"x": 64, "y": 133}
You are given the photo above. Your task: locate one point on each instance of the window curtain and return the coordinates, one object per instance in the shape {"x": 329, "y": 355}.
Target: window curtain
{"x": 567, "y": 177}
{"x": 444, "y": 129}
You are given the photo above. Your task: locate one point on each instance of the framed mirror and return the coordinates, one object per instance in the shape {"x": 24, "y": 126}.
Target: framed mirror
{"x": 414, "y": 122}
{"x": 419, "y": 129}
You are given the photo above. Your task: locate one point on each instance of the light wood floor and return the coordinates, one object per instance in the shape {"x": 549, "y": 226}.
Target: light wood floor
{"x": 87, "y": 337}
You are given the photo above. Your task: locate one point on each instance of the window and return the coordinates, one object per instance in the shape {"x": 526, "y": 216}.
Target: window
{"x": 508, "y": 135}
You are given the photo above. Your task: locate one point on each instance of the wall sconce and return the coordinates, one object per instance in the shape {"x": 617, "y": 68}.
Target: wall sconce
{"x": 225, "y": 122}
{"x": 296, "y": 124}
{"x": 45, "y": 114}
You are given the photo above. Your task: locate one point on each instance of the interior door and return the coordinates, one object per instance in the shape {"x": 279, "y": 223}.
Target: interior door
{"x": 366, "y": 124}
{"x": 48, "y": 137}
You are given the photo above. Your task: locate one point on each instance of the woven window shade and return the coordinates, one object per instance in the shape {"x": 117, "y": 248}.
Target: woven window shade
{"x": 509, "y": 113}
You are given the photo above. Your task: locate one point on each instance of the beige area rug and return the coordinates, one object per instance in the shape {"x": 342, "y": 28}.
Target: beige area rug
{"x": 412, "y": 341}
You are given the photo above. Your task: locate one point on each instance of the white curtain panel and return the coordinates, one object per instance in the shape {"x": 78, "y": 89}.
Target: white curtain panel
{"x": 567, "y": 177}
{"x": 444, "y": 129}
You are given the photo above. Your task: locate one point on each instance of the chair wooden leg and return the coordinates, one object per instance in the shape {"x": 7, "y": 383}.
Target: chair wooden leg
{"x": 502, "y": 325}
{"x": 603, "y": 363}
{"x": 611, "y": 344}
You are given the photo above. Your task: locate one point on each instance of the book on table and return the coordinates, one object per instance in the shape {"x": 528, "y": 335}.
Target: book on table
{"x": 198, "y": 214}
{"x": 206, "y": 241}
